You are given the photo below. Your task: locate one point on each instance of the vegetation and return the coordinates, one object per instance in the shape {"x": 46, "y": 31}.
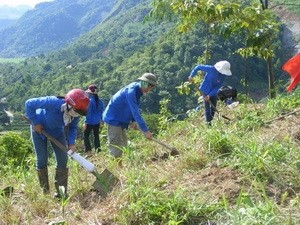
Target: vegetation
{"x": 122, "y": 48}
{"x": 242, "y": 171}
{"x": 292, "y": 5}
{"x": 217, "y": 178}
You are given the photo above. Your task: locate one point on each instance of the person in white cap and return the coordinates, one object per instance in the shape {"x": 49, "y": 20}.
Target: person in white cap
{"x": 123, "y": 110}
{"x": 213, "y": 80}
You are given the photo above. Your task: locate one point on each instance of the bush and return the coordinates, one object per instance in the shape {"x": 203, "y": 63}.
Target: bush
{"x": 14, "y": 149}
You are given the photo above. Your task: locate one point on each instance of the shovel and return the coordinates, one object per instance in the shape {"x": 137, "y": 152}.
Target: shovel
{"x": 173, "y": 151}
{"x": 214, "y": 107}
{"x": 105, "y": 181}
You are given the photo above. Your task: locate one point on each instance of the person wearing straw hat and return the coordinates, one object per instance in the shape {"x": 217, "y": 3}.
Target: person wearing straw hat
{"x": 123, "y": 110}
{"x": 213, "y": 80}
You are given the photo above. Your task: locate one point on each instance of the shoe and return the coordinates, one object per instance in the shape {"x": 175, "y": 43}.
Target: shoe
{"x": 88, "y": 154}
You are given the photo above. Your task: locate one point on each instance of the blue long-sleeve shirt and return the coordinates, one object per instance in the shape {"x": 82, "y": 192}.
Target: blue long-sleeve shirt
{"x": 213, "y": 80}
{"x": 47, "y": 112}
{"x": 124, "y": 107}
{"x": 95, "y": 111}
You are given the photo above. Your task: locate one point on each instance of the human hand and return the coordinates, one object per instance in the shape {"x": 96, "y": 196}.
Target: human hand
{"x": 134, "y": 125}
{"x": 38, "y": 128}
{"x": 191, "y": 80}
{"x": 148, "y": 135}
{"x": 206, "y": 98}
{"x": 84, "y": 127}
{"x": 72, "y": 148}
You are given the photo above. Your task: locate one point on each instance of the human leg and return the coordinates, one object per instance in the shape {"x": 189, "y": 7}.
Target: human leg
{"x": 117, "y": 139}
{"x": 96, "y": 129}
{"x": 213, "y": 100}
{"x": 40, "y": 147}
{"x": 61, "y": 171}
{"x": 208, "y": 116}
{"x": 86, "y": 138}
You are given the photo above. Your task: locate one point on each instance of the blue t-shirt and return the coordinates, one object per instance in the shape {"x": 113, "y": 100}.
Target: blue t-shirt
{"x": 47, "y": 112}
{"x": 213, "y": 79}
{"x": 95, "y": 111}
{"x": 124, "y": 107}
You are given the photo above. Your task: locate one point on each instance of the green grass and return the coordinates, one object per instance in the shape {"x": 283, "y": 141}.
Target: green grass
{"x": 239, "y": 172}
{"x": 293, "y": 5}
{"x": 11, "y": 60}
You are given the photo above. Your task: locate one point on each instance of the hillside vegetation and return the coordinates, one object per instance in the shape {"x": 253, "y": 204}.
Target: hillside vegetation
{"x": 51, "y": 26}
{"x": 243, "y": 171}
{"x": 123, "y": 47}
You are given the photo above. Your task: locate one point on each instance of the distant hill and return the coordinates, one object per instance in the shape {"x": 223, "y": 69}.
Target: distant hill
{"x": 110, "y": 44}
{"x": 13, "y": 13}
{"x": 9, "y": 15}
{"x": 52, "y": 25}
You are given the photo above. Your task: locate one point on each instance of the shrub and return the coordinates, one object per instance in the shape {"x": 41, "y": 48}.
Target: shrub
{"x": 14, "y": 149}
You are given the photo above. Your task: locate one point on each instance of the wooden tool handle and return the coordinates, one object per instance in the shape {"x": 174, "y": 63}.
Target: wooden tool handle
{"x": 162, "y": 144}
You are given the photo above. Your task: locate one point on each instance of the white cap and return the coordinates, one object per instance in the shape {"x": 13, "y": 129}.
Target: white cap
{"x": 223, "y": 67}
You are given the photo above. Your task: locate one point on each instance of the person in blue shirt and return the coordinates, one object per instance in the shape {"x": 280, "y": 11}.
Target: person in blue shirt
{"x": 123, "y": 110}
{"x": 213, "y": 80}
{"x": 93, "y": 120}
{"x": 53, "y": 115}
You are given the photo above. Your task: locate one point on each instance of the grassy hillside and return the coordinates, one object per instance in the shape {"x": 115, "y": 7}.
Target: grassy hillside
{"x": 243, "y": 171}
{"x": 292, "y": 5}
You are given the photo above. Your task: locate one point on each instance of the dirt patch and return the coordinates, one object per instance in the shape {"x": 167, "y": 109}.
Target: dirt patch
{"x": 214, "y": 182}
{"x": 282, "y": 127}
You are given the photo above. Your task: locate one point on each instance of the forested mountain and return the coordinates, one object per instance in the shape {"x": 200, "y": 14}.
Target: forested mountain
{"x": 9, "y": 15}
{"x": 117, "y": 51}
{"x": 52, "y": 25}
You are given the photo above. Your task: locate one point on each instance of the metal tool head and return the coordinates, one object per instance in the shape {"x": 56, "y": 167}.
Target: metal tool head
{"x": 105, "y": 182}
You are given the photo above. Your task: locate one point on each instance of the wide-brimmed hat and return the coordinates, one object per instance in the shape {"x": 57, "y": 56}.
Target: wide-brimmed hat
{"x": 223, "y": 67}
{"x": 149, "y": 77}
{"x": 92, "y": 89}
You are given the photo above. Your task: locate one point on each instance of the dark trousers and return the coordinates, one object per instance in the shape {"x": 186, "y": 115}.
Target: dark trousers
{"x": 209, "y": 110}
{"x": 87, "y": 132}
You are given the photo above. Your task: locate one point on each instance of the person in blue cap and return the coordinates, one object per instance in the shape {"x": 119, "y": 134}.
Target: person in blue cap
{"x": 93, "y": 120}
{"x": 213, "y": 80}
{"x": 123, "y": 110}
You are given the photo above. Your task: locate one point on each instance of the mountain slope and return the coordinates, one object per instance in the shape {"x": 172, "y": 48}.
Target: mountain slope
{"x": 52, "y": 25}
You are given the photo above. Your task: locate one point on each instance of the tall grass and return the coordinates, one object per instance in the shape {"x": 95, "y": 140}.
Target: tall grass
{"x": 244, "y": 171}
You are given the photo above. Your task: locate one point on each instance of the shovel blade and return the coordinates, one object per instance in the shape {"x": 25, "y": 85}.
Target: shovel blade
{"x": 105, "y": 182}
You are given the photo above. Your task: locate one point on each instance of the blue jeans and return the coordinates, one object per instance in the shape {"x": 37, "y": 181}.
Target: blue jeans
{"x": 41, "y": 151}
{"x": 209, "y": 110}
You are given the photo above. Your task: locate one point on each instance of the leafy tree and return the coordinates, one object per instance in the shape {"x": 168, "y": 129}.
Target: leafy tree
{"x": 258, "y": 26}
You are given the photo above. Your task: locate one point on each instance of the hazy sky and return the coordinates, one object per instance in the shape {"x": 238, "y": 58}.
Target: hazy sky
{"x": 21, "y": 2}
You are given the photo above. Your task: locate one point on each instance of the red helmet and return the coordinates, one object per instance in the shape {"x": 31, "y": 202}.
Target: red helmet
{"x": 79, "y": 100}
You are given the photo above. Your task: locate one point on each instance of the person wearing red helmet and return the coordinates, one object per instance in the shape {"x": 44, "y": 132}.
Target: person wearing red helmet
{"x": 53, "y": 114}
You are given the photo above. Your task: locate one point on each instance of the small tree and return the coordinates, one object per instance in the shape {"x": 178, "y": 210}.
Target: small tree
{"x": 259, "y": 27}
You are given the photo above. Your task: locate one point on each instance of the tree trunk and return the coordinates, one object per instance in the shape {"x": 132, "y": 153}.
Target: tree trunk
{"x": 272, "y": 92}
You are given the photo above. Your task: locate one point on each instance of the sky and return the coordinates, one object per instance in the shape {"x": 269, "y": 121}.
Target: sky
{"x": 32, "y": 3}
